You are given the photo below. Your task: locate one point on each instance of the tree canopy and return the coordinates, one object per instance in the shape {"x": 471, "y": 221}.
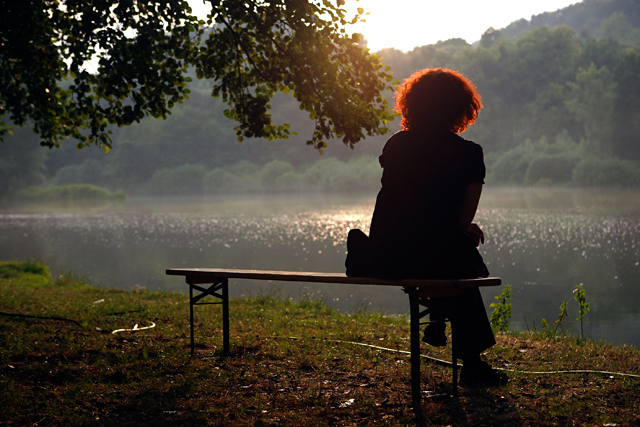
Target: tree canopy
{"x": 561, "y": 107}
{"x": 70, "y": 69}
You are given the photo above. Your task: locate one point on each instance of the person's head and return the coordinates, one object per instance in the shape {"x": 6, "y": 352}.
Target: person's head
{"x": 437, "y": 99}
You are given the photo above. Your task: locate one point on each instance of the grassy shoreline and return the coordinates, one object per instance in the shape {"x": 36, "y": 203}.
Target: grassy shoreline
{"x": 292, "y": 363}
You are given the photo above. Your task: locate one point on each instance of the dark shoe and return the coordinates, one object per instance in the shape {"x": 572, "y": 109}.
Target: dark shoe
{"x": 434, "y": 334}
{"x": 480, "y": 374}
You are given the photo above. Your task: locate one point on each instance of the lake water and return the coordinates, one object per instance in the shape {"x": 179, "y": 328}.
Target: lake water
{"x": 542, "y": 242}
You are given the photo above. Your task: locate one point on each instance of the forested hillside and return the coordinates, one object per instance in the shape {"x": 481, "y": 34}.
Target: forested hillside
{"x": 562, "y": 107}
{"x": 585, "y": 17}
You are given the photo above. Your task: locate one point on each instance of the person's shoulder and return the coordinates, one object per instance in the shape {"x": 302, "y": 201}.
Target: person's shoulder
{"x": 464, "y": 141}
{"x": 398, "y": 138}
{"x": 396, "y": 148}
{"x": 396, "y": 141}
{"x": 467, "y": 144}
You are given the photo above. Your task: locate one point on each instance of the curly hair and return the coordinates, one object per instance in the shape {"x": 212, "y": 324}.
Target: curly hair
{"x": 437, "y": 99}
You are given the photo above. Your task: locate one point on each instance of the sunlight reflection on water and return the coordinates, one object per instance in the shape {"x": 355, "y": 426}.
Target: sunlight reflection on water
{"x": 542, "y": 245}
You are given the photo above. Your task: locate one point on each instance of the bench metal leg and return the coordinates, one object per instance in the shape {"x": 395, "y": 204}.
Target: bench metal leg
{"x": 220, "y": 290}
{"x": 193, "y": 345}
{"x": 454, "y": 358}
{"x": 225, "y": 317}
{"x": 415, "y": 302}
{"x": 414, "y": 332}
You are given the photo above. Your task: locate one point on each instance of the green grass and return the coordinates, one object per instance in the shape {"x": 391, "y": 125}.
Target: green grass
{"x": 291, "y": 363}
{"x": 32, "y": 273}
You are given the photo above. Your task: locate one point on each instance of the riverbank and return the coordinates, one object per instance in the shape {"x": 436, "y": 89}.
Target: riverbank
{"x": 73, "y": 354}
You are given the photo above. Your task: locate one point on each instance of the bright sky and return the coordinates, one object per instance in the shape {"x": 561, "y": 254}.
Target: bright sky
{"x": 406, "y": 24}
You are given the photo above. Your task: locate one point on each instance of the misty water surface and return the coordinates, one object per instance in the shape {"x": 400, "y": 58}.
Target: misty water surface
{"x": 541, "y": 242}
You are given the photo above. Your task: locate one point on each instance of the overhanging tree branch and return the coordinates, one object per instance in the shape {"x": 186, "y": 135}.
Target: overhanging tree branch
{"x": 143, "y": 52}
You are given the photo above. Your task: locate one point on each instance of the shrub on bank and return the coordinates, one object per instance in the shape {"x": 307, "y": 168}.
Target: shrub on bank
{"x": 561, "y": 162}
{"x": 32, "y": 271}
{"x": 327, "y": 174}
{"x": 555, "y": 168}
{"x": 596, "y": 171}
{"x": 73, "y": 192}
{"x": 511, "y": 167}
{"x": 91, "y": 171}
{"x": 182, "y": 179}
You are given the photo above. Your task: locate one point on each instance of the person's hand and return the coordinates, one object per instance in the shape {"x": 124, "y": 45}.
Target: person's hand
{"x": 474, "y": 231}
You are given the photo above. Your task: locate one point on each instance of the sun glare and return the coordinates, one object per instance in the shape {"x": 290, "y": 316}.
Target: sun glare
{"x": 406, "y": 24}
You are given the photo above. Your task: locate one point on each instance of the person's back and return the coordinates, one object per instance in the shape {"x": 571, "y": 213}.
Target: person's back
{"x": 415, "y": 227}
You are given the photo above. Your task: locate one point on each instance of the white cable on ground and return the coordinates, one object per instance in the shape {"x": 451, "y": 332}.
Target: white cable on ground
{"x": 446, "y": 363}
{"x": 135, "y": 328}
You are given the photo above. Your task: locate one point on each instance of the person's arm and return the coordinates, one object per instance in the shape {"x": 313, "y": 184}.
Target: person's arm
{"x": 468, "y": 208}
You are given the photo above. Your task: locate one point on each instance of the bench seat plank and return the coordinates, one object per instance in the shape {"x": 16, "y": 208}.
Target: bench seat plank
{"x": 205, "y": 275}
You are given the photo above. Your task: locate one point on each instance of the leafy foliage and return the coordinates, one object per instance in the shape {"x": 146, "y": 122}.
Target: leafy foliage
{"x": 584, "y": 306}
{"x": 561, "y": 318}
{"x": 501, "y": 315}
{"x": 297, "y": 47}
{"x": 143, "y": 52}
{"x": 45, "y": 81}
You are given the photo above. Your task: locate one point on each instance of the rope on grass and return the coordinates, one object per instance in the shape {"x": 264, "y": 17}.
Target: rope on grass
{"x": 135, "y": 328}
{"x": 62, "y": 319}
{"x": 447, "y": 363}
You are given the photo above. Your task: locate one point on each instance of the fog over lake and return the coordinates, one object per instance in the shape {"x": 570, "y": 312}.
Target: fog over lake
{"x": 542, "y": 242}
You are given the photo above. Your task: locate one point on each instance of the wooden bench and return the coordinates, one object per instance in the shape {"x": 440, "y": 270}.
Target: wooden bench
{"x": 419, "y": 290}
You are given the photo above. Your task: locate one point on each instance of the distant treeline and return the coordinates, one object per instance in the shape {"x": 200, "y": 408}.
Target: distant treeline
{"x": 70, "y": 193}
{"x": 330, "y": 175}
{"x": 562, "y": 107}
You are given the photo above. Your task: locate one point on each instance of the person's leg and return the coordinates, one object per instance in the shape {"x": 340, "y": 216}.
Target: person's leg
{"x": 434, "y": 333}
{"x": 470, "y": 323}
{"x": 473, "y": 335}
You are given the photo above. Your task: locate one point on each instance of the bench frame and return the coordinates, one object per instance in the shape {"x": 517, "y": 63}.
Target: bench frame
{"x": 419, "y": 290}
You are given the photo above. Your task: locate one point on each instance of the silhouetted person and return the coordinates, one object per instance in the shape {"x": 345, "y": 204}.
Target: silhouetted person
{"x": 422, "y": 224}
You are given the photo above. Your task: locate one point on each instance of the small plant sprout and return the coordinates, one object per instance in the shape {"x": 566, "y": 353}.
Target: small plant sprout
{"x": 561, "y": 317}
{"x": 501, "y": 315}
{"x": 581, "y": 299}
